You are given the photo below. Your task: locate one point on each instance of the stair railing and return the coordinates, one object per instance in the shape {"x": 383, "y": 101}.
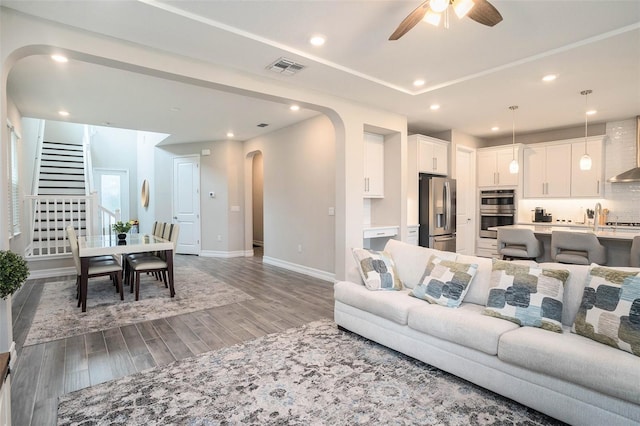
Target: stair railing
{"x": 36, "y": 168}
{"x": 49, "y": 217}
{"x": 107, "y": 218}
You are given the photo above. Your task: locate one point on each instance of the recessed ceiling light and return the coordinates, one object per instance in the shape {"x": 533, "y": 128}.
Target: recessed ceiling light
{"x": 418, "y": 82}
{"x": 434, "y": 107}
{"x": 317, "y": 40}
{"x": 63, "y": 113}
{"x": 550, "y": 77}
{"x": 174, "y": 109}
{"x": 230, "y": 134}
{"x": 59, "y": 58}
{"x": 294, "y": 108}
{"x": 495, "y": 128}
{"x": 591, "y": 112}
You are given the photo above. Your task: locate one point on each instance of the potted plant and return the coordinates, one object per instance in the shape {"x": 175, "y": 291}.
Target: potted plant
{"x": 121, "y": 228}
{"x": 13, "y": 273}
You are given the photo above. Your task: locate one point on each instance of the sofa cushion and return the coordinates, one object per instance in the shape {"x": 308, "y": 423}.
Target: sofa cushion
{"x": 575, "y": 359}
{"x": 465, "y": 326}
{"x": 610, "y": 310}
{"x": 391, "y": 305}
{"x": 528, "y": 296}
{"x": 445, "y": 282}
{"x": 377, "y": 269}
{"x": 411, "y": 260}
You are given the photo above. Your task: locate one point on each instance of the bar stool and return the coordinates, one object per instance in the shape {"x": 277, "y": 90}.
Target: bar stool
{"x": 634, "y": 259}
{"x": 581, "y": 248}
{"x": 518, "y": 244}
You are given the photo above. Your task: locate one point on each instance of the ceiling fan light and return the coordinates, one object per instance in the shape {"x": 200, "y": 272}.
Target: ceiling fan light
{"x": 432, "y": 18}
{"x": 585, "y": 162}
{"x": 462, "y": 7}
{"x": 438, "y": 5}
{"x": 514, "y": 167}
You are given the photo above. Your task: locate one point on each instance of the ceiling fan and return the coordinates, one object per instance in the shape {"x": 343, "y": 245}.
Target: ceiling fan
{"x": 432, "y": 11}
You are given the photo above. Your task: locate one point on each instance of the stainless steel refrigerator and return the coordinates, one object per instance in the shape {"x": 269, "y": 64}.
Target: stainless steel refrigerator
{"x": 437, "y": 212}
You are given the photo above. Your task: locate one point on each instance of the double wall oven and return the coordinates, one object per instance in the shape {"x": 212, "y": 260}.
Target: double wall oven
{"x": 497, "y": 208}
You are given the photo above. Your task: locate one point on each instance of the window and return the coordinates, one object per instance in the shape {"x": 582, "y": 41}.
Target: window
{"x": 14, "y": 184}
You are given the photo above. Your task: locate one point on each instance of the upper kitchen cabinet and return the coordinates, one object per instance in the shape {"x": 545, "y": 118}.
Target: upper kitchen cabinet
{"x": 493, "y": 166}
{"x": 433, "y": 155}
{"x": 373, "y": 165}
{"x": 547, "y": 171}
{"x": 587, "y": 183}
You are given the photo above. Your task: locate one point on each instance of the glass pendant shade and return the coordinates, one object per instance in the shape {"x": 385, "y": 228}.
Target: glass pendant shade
{"x": 514, "y": 167}
{"x": 585, "y": 162}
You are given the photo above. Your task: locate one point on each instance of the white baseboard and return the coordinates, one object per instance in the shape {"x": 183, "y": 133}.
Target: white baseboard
{"x": 316, "y": 273}
{"x": 226, "y": 254}
{"x": 258, "y": 243}
{"x": 53, "y": 272}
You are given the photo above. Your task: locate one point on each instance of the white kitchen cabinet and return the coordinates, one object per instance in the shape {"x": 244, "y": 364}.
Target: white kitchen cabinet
{"x": 493, "y": 166}
{"x": 373, "y": 166}
{"x": 433, "y": 155}
{"x": 587, "y": 183}
{"x": 547, "y": 171}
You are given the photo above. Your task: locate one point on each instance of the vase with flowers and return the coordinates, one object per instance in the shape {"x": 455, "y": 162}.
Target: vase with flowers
{"x": 121, "y": 228}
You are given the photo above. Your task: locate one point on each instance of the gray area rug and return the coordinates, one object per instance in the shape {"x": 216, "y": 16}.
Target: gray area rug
{"x": 58, "y": 316}
{"x": 313, "y": 375}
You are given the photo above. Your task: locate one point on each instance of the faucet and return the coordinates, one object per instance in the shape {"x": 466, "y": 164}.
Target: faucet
{"x": 596, "y": 216}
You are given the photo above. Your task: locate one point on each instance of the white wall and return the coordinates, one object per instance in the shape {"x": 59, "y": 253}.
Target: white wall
{"x": 299, "y": 187}
{"x": 257, "y": 197}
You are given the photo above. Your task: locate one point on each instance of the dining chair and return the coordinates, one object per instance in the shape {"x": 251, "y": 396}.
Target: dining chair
{"x": 97, "y": 267}
{"x": 153, "y": 263}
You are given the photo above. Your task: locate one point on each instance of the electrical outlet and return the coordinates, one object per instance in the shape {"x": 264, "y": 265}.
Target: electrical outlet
{"x": 219, "y": 237}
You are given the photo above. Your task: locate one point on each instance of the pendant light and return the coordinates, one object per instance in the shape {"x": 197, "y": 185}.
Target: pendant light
{"x": 514, "y": 167}
{"x": 585, "y": 160}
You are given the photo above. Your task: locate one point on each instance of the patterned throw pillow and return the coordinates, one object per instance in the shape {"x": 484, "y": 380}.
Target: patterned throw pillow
{"x": 377, "y": 269}
{"x": 610, "y": 310}
{"x": 445, "y": 282}
{"x": 527, "y": 295}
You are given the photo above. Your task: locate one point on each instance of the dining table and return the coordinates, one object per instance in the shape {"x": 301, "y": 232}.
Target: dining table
{"x": 101, "y": 245}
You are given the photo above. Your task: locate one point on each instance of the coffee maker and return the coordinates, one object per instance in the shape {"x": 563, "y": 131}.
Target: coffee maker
{"x": 540, "y": 215}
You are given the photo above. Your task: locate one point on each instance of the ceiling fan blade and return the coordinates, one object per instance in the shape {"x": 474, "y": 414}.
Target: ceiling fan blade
{"x": 484, "y": 13}
{"x": 410, "y": 21}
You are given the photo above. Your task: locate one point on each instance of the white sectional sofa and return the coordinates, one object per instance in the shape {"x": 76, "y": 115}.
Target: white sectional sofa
{"x": 564, "y": 375}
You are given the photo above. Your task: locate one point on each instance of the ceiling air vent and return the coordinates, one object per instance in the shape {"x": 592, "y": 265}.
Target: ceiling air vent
{"x": 262, "y": 125}
{"x": 285, "y": 66}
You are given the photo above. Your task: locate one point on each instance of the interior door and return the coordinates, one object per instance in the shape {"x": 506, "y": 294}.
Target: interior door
{"x": 466, "y": 200}
{"x": 186, "y": 203}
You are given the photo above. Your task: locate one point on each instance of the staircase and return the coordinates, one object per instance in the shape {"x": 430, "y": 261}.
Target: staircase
{"x": 62, "y": 169}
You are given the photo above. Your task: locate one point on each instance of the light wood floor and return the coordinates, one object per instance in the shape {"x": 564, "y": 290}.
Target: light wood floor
{"x": 282, "y": 299}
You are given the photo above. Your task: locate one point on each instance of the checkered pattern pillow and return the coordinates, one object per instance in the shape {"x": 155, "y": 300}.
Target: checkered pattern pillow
{"x": 527, "y": 295}
{"x": 610, "y": 309}
{"x": 377, "y": 269}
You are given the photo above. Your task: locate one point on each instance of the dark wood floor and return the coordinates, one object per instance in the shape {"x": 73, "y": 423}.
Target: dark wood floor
{"x": 282, "y": 299}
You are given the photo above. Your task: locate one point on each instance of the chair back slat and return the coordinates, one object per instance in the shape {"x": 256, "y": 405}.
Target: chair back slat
{"x": 73, "y": 242}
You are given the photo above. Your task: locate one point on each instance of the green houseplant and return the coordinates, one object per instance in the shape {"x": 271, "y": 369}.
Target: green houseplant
{"x": 13, "y": 273}
{"x": 121, "y": 227}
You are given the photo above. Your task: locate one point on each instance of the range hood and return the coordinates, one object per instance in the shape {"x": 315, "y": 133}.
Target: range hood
{"x": 632, "y": 175}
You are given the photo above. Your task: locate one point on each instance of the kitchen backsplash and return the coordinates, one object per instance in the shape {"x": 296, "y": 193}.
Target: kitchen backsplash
{"x": 621, "y": 199}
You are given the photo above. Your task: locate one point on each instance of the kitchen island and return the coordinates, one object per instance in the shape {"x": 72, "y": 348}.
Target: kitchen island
{"x": 617, "y": 240}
